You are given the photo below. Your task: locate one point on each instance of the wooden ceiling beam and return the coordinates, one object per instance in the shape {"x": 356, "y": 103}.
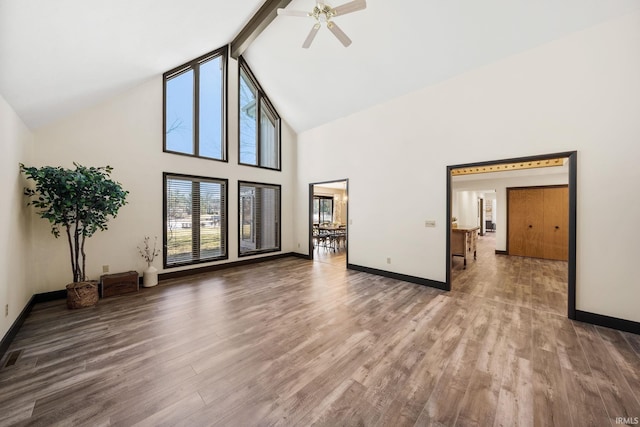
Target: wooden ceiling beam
{"x": 256, "y": 25}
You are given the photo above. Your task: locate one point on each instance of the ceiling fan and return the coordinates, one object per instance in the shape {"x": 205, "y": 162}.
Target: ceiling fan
{"x": 323, "y": 13}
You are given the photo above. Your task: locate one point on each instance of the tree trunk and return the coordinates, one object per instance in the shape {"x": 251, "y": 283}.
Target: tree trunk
{"x": 76, "y": 234}
{"x": 73, "y": 267}
{"x": 84, "y": 259}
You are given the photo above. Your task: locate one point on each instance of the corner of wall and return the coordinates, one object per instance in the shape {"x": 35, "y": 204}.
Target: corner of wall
{"x": 15, "y": 218}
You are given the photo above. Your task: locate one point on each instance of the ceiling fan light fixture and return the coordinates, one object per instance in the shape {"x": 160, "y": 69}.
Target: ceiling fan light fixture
{"x": 323, "y": 13}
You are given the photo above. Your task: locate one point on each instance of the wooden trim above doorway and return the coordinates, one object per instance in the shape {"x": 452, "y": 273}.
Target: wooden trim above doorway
{"x": 502, "y": 167}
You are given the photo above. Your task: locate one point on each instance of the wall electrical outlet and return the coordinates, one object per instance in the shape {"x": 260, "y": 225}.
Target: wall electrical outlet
{"x": 298, "y": 244}
{"x": 105, "y": 268}
{"x": 388, "y": 260}
{"x": 430, "y": 223}
{"x": 6, "y": 310}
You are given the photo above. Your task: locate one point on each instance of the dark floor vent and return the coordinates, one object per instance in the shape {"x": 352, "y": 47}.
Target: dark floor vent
{"x": 13, "y": 358}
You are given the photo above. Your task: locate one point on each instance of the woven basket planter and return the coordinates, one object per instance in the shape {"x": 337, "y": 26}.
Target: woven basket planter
{"x": 82, "y": 294}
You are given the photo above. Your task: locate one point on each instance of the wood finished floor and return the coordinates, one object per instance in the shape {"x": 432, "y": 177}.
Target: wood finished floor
{"x": 296, "y": 343}
{"x": 526, "y": 282}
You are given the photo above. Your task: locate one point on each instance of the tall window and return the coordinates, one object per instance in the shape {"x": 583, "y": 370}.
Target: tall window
{"x": 195, "y": 214}
{"x": 259, "y": 206}
{"x": 259, "y": 124}
{"x": 195, "y": 107}
{"x": 322, "y": 209}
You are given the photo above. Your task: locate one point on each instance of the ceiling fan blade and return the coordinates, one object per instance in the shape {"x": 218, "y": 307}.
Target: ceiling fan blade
{"x": 340, "y": 35}
{"x": 352, "y": 6}
{"x": 288, "y": 12}
{"x": 311, "y": 36}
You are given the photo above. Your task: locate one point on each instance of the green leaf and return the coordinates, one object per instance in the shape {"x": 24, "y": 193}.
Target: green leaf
{"x": 81, "y": 200}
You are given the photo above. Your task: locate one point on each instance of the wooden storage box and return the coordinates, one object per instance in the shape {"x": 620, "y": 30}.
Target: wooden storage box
{"x": 118, "y": 283}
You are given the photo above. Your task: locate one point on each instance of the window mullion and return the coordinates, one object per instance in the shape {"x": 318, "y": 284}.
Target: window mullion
{"x": 196, "y": 109}
{"x": 331, "y": 212}
{"x": 223, "y": 109}
{"x": 258, "y": 130}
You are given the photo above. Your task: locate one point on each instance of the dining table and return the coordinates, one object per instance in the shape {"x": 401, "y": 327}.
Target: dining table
{"x": 330, "y": 236}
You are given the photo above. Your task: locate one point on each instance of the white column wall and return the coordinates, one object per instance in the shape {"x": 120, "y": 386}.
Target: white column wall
{"x": 578, "y": 93}
{"x": 467, "y": 212}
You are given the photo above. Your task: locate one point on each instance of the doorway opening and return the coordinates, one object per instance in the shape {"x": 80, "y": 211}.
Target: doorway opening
{"x": 497, "y": 224}
{"x": 328, "y": 222}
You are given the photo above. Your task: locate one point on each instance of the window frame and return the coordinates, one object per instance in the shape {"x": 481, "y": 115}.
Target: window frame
{"x": 320, "y": 199}
{"x": 261, "y": 97}
{"x": 195, "y": 66}
{"x": 224, "y": 223}
{"x": 278, "y": 217}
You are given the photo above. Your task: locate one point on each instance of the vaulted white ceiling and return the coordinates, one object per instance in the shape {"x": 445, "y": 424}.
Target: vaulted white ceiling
{"x": 59, "y": 56}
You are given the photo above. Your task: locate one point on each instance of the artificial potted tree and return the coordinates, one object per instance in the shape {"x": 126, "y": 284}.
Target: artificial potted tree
{"x": 77, "y": 202}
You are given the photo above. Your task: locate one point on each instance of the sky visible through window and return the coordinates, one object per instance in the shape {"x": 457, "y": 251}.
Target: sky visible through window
{"x": 180, "y": 111}
{"x": 248, "y": 146}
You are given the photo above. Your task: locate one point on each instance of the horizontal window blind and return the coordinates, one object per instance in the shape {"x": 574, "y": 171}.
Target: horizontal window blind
{"x": 259, "y": 218}
{"x": 195, "y": 216}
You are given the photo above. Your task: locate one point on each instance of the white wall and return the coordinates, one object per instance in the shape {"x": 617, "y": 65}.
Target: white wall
{"x": 126, "y": 133}
{"x": 465, "y": 207}
{"x": 15, "y": 287}
{"x": 578, "y": 93}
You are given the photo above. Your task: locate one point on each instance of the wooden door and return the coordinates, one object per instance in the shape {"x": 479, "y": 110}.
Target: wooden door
{"x": 525, "y": 221}
{"x": 556, "y": 223}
